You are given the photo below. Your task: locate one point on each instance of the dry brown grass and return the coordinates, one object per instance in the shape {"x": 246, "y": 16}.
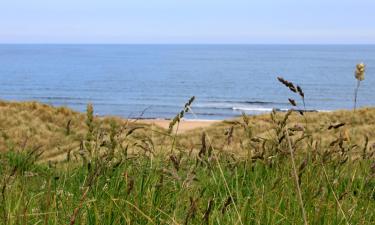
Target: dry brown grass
{"x": 32, "y": 124}
{"x": 56, "y": 130}
{"x": 355, "y": 130}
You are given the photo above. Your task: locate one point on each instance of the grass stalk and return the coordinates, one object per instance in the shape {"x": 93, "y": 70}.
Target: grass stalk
{"x": 296, "y": 179}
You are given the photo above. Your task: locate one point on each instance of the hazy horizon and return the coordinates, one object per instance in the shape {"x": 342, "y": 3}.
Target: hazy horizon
{"x": 260, "y": 44}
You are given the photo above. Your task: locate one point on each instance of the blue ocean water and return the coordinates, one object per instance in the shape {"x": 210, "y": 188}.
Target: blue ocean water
{"x": 154, "y": 81}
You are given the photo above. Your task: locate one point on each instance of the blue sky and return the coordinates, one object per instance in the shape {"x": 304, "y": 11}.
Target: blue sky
{"x": 187, "y": 21}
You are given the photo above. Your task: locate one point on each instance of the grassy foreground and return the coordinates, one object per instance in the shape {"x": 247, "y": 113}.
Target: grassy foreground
{"x": 58, "y": 166}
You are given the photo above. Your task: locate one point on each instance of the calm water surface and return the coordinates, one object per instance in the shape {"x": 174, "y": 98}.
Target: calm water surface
{"x": 126, "y": 80}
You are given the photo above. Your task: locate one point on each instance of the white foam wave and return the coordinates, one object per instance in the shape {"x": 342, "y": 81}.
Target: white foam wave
{"x": 252, "y": 109}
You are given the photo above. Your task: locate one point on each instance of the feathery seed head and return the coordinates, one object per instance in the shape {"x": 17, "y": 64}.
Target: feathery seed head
{"x": 360, "y": 71}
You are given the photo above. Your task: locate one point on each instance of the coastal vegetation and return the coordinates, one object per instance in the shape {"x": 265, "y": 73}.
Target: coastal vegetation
{"x": 58, "y": 166}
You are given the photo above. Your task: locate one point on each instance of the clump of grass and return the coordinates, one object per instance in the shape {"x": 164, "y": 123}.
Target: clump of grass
{"x": 15, "y": 163}
{"x": 136, "y": 192}
{"x": 242, "y": 171}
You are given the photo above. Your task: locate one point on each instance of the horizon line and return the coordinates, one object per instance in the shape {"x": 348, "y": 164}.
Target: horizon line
{"x": 178, "y": 43}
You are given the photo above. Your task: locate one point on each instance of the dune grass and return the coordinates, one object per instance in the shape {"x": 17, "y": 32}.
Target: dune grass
{"x": 59, "y": 167}
{"x": 59, "y": 130}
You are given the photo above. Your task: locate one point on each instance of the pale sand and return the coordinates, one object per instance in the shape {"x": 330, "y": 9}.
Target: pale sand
{"x": 185, "y": 125}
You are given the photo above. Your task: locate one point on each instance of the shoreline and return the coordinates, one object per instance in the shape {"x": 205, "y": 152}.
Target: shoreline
{"x": 186, "y": 124}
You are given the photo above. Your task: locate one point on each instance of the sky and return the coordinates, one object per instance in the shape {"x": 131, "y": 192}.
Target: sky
{"x": 188, "y": 21}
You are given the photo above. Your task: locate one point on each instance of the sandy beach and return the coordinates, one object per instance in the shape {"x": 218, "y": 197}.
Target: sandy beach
{"x": 185, "y": 125}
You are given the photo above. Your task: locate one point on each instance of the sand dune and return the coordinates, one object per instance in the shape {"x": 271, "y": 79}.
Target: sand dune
{"x": 185, "y": 125}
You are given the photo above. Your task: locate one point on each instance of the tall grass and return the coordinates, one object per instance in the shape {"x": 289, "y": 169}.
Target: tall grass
{"x": 269, "y": 169}
{"x": 135, "y": 192}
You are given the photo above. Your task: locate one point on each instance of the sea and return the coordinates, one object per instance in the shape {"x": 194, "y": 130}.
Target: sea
{"x": 155, "y": 81}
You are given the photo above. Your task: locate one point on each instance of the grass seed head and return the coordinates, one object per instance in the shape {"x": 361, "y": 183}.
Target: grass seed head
{"x": 300, "y": 92}
{"x": 292, "y": 102}
{"x": 360, "y": 71}
{"x": 288, "y": 84}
